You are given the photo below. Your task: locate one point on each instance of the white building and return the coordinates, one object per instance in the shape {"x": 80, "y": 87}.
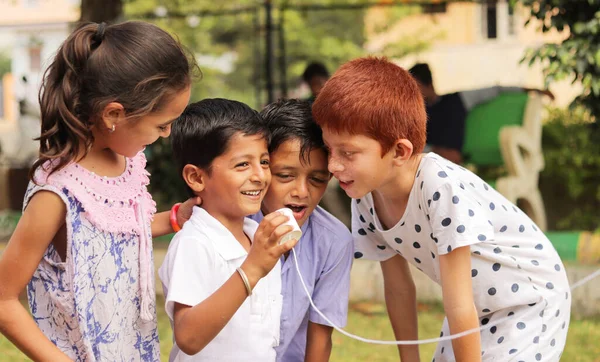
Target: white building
{"x": 472, "y": 45}
{"x": 30, "y": 33}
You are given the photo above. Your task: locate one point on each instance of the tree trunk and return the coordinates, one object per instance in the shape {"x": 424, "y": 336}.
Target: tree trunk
{"x": 101, "y": 10}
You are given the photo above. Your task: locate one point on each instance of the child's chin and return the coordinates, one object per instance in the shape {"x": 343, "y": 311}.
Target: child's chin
{"x": 252, "y": 210}
{"x": 355, "y": 195}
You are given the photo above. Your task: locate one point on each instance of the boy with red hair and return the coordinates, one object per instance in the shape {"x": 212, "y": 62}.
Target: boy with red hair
{"x": 490, "y": 259}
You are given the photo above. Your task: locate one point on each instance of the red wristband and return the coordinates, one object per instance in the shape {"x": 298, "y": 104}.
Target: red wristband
{"x": 173, "y": 217}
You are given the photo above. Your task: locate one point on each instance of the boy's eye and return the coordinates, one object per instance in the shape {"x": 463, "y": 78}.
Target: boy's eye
{"x": 283, "y": 176}
{"x": 347, "y": 153}
{"x": 242, "y": 164}
{"x": 265, "y": 162}
{"x": 163, "y": 128}
{"x": 319, "y": 180}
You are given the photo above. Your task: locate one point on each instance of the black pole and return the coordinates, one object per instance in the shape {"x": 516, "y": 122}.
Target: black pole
{"x": 282, "y": 55}
{"x": 269, "y": 50}
{"x": 257, "y": 78}
{"x": 269, "y": 32}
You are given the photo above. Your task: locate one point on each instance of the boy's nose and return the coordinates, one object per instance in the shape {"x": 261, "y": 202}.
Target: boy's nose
{"x": 301, "y": 189}
{"x": 334, "y": 165}
{"x": 258, "y": 175}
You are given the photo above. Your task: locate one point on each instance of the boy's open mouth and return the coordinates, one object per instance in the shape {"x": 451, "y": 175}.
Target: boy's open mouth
{"x": 345, "y": 184}
{"x": 296, "y": 208}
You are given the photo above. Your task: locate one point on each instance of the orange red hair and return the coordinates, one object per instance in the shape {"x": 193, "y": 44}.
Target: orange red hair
{"x": 373, "y": 97}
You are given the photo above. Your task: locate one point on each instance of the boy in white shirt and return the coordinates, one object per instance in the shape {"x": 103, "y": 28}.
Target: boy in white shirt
{"x": 221, "y": 274}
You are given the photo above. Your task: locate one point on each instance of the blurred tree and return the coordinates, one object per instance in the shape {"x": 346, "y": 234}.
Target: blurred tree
{"x": 571, "y": 138}
{"x": 230, "y": 51}
{"x": 101, "y": 10}
{"x": 231, "y": 47}
{"x": 570, "y": 181}
{"x": 5, "y": 63}
{"x": 578, "y": 56}
{"x": 382, "y": 24}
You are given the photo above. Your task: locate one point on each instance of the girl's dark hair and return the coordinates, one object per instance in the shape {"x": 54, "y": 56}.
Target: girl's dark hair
{"x": 136, "y": 64}
{"x": 204, "y": 130}
{"x": 292, "y": 120}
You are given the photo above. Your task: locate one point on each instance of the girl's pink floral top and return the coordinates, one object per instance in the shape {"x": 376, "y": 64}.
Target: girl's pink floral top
{"x": 99, "y": 303}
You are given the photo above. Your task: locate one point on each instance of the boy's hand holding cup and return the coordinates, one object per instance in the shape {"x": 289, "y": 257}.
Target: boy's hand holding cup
{"x": 277, "y": 234}
{"x": 296, "y": 233}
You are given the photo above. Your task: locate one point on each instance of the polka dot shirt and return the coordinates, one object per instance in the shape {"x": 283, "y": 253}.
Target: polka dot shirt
{"x": 515, "y": 268}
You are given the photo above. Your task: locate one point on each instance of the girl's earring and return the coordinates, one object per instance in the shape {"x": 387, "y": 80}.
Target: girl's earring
{"x": 112, "y": 129}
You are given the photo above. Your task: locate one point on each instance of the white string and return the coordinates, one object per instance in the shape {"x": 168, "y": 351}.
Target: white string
{"x": 581, "y": 282}
{"x": 420, "y": 341}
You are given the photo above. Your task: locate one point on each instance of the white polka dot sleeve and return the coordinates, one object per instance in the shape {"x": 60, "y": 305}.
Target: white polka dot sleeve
{"x": 456, "y": 218}
{"x": 367, "y": 244}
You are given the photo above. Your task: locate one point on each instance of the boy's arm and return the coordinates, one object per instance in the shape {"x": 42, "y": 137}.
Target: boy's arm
{"x": 195, "y": 327}
{"x": 401, "y": 301}
{"x": 318, "y": 342}
{"x": 195, "y": 323}
{"x": 457, "y": 291}
{"x": 459, "y": 205}
{"x": 42, "y": 219}
{"x": 161, "y": 223}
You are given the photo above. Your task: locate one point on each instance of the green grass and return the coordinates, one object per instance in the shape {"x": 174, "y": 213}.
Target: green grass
{"x": 8, "y": 222}
{"x": 582, "y": 341}
{"x": 370, "y": 321}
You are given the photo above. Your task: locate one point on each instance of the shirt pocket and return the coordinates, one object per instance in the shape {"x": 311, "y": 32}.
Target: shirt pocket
{"x": 257, "y": 304}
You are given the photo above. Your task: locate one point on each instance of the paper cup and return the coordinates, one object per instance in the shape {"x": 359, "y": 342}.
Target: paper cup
{"x": 296, "y": 233}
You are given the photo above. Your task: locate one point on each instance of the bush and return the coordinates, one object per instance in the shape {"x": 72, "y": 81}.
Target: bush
{"x": 570, "y": 182}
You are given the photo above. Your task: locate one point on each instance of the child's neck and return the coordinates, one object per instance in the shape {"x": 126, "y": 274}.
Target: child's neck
{"x": 390, "y": 200}
{"x": 103, "y": 162}
{"x": 235, "y": 225}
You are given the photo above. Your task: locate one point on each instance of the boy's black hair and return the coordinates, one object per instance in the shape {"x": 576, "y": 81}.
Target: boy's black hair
{"x": 204, "y": 129}
{"x": 422, "y": 73}
{"x": 314, "y": 69}
{"x": 292, "y": 120}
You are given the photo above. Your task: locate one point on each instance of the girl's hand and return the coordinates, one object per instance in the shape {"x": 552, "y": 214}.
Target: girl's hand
{"x": 185, "y": 209}
{"x": 265, "y": 250}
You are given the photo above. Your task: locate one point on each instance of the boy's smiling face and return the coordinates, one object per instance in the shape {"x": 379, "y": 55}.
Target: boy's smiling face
{"x": 296, "y": 184}
{"x": 238, "y": 179}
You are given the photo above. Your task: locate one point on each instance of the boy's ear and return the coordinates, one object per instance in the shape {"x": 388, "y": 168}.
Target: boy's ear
{"x": 194, "y": 177}
{"x": 112, "y": 114}
{"x": 403, "y": 150}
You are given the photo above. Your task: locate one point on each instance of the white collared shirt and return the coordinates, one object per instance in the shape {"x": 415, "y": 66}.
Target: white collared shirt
{"x": 200, "y": 259}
